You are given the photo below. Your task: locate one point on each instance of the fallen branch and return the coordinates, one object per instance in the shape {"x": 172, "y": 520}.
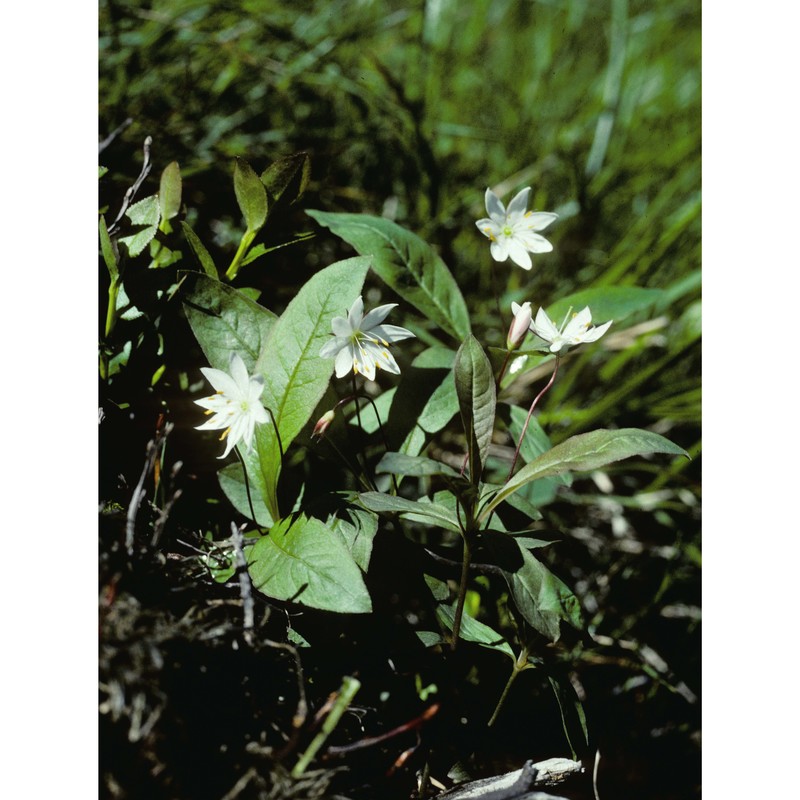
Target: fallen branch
{"x": 516, "y": 785}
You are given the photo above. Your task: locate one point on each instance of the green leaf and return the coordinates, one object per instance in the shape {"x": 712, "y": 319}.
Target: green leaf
{"x": 407, "y": 264}
{"x": 231, "y": 480}
{"x": 402, "y": 464}
{"x": 416, "y": 510}
{"x": 198, "y": 248}
{"x": 295, "y": 376}
{"x": 145, "y": 215}
{"x": 169, "y": 193}
{"x": 586, "y": 452}
{"x": 476, "y": 398}
{"x": 472, "y": 630}
{"x": 107, "y": 248}
{"x": 304, "y": 562}
{"x": 101, "y": 170}
{"x": 607, "y": 302}
{"x": 357, "y": 534}
{"x": 225, "y": 321}
{"x": 250, "y": 194}
{"x": 293, "y": 170}
{"x": 542, "y": 598}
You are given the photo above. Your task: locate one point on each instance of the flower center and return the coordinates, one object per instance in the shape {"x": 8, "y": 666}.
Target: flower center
{"x": 508, "y": 231}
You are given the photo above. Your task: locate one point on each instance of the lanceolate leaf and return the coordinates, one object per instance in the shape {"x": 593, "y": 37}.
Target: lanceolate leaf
{"x": 472, "y": 630}
{"x": 586, "y": 452}
{"x": 295, "y": 376}
{"x": 476, "y": 398}
{"x": 428, "y": 513}
{"x": 303, "y": 561}
{"x": 402, "y": 464}
{"x": 198, "y": 248}
{"x": 407, "y": 264}
{"x": 226, "y": 321}
{"x": 250, "y": 194}
{"x": 107, "y": 248}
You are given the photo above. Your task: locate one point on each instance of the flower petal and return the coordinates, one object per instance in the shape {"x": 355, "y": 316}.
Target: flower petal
{"x": 539, "y": 220}
{"x": 376, "y": 316}
{"x": 391, "y": 333}
{"x": 543, "y": 326}
{"x": 341, "y": 327}
{"x": 239, "y": 373}
{"x": 519, "y": 255}
{"x": 499, "y": 249}
{"x": 593, "y": 334}
{"x": 344, "y": 361}
{"x": 494, "y": 208}
{"x": 520, "y": 202}
{"x": 356, "y": 314}
{"x": 533, "y": 242}
{"x": 332, "y": 347}
{"x": 220, "y": 380}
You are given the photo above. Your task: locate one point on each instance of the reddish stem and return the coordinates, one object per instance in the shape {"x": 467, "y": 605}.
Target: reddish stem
{"x": 528, "y": 419}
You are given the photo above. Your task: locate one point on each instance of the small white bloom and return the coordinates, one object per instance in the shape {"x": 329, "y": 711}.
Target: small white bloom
{"x": 237, "y": 404}
{"x": 512, "y": 230}
{"x": 361, "y": 343}
{"x": 574, "y": 330}
{"x": 520, "y": 325}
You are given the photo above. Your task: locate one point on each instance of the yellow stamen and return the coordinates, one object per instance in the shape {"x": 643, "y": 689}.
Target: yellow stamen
{"x": 224, "y": 433}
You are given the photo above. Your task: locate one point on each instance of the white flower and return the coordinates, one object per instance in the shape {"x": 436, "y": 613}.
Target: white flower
{"x": 520, "y": 325}
{"x": 362, "y": 342}
{"x": 512, "y": 231}
{"x": 237, "y": 404}
{"x": 574, "y": 330}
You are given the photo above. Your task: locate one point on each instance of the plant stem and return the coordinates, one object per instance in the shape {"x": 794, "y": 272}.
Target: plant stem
{"x": 519, "y": 666}
{"x": 247, "y": 240}
{"x": 528, "y": 419}
{"x": 347, "y": 691}
{"x": 462, "y": 592}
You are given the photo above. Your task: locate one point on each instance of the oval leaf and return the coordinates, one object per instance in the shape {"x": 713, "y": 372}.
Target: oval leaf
{"x": 293, "y": 170}
{"x": 407, "y": 264}
{"x": 250, "y": 194}
{"x": 303, "y": 562}
{"x": 169, "y": 193}
{"x": 144, "y": 215}
{"x": 224, "y": 321}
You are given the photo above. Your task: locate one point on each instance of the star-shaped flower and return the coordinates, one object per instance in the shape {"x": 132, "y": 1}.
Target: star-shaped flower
{"x": 237, "y": 404}
{"x": 513, "y": 230}
{"x": 574, "y": 330}
{"x": 361, "y": 342}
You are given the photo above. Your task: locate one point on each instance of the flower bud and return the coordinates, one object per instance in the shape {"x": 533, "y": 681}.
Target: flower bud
{"x": 323, "y": 423}
{"x": 520, "y": 325}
